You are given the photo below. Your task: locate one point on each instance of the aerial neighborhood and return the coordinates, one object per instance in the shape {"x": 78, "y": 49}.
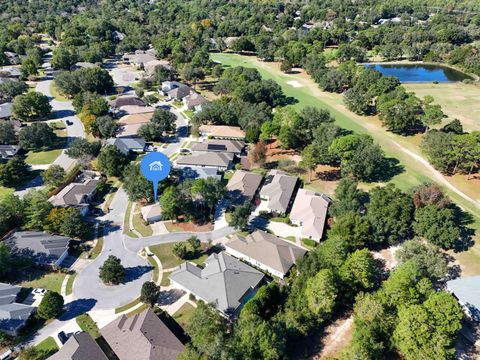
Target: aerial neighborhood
{"x": 319, "y": 194}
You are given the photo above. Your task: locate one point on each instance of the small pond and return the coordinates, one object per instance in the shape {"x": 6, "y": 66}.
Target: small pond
{"x": 408, "y": 73}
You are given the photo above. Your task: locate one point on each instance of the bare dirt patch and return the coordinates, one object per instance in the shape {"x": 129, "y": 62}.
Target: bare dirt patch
{"x": 337, "y": 336}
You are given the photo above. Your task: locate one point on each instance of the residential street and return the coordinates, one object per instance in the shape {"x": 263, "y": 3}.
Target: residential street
{"x": 62, "y": 110}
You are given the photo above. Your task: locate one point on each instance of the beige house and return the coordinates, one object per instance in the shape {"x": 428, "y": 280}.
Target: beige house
{"x": 309, "y": 211}
{"x": 244, "y": 184}
{"x": 222, "y": 132}
{"x": 266, "y": 251}
{"x": 277, "y": 191}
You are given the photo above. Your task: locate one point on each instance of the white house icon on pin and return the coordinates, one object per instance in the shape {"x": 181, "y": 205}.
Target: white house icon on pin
{"x": 155, "y": 166}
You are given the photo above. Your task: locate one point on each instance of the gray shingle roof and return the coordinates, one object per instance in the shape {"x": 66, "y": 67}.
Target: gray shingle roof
{"x": 244, "y": 182}
{"x": 212, "y": 159}
{"x": 74, "y": 194}
{"x": 127, "y": 144}
{"x": 225, "y": 146}
{"x": 42, "y": 247}
{"x": 279, "y": 188}
{"x": 267, "y": 249}
{"x": 5, "y": 110}
{"x": 12, "y": 315}
{"x": 8, "y": 151}
{"x": 224, "y": 281}
{"x": 179, "y": 92}
{"x": 80, "y": 347}
{"x": 126, "y": 100}
{"x": 142, "y": 337}
{"x": 467, "y": 291}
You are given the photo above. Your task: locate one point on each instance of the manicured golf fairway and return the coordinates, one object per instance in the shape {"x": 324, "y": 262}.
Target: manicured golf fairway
{"x": 307, "y": 93}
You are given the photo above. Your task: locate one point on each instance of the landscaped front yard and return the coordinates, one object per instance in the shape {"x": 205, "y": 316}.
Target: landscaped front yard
{"x": 169, "y": 260}
{"x": 48, "y": 156}
{"x": 139, "y": 224}
{"x": 50, "y": 281}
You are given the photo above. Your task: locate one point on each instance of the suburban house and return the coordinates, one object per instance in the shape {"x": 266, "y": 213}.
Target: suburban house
{"x": 198, "y": 172}
{"x": 140, "y": 57}
{"x": 13, "y": 315}
{"x": 222, "y": 132}
{"x": 170, "y": 85}
{"x": 76, "y": 195}
{"x": 467, "y": 292}
{"x": 82, "y": 65}
{"x": 10, "y": 71}
{"x": 277, "y": 191}
{"x": 128, "y": 145}
{"x": 79, "y": 347}
{"x": 244, "y": 184}
{"x": 194, "y": 101}
{"x": 309, "y": 211}
{"x": 265, "y": 251}
{"x": 8, "y": 151}
{"x": 135, "y": 109}
{"x": 43, "y": 248}
{"x": 219, "y": 161}
{"x": 129, "y": 124}
{"x": 224, "y": 281}
{"x": 235, "y": 147}
{"x": 142, "y": 337}
{"x": 150, "y": 66}
{"x": 126, "y": 100}
{"x": 179, "y": 93}
{"x": 5, "y": 110}
{"x": 152, "y": 213}
{"x": 12, "y": 57}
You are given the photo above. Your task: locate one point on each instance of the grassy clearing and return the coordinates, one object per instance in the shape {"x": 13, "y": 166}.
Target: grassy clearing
{"x": 126, "y": 222}
{"x": 5, "y": 191}
{"x": 47, "y": 347}
{"x": 98, "y": 247}
{"x": 458, "y": 100}
{"x": 127, "y": 306}
{"x": 50, "y": 281}
{"x": 184, "y": 314}
{"x": 140, "y": 225}
{"x": 87, "y": 324}
{"x": 69, "y": 287}
{"x": 168, "y": 260}
{"x": 414, "y": 172}
{"x": 56, "y": 94}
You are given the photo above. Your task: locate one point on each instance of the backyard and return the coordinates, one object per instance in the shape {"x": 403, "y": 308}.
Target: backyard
{"x": 45, "y": 280}
{"x": 169, "y": 260}
{"x": 415, "y": 169}
{"x": 48, "y": 156}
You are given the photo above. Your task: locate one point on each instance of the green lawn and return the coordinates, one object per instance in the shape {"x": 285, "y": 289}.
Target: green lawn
{"x": 126, "y": 221}
{"x": 56, "y": 94}
{"x": 87, "y": 324}
{"x": 98, "y": 246}
{"x": 155, "y": 269}
{"x": 48, "y": 156}
{"x": 168, "y": 260}
{"x": 5, "y": 191}
{"x": 307, "y": 93}
{"x": 139, "y": 223}
{"x": 184, "y": 314}
{"x": 127, "y": 306}
{"x": 47, "y": 347}
{"x": 166, "y": 278}
{"x": 69, "y": 287}
{"x": 50, "y": 281}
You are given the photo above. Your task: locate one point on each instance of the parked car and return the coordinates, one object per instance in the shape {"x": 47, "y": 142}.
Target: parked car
{"x": 39, "y": 291}
{"x": 69, "y": 122}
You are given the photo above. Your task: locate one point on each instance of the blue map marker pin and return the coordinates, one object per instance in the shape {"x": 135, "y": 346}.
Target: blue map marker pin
{"x": 155, "y": 166}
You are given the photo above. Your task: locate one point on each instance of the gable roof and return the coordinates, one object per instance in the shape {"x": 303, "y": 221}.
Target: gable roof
{"x": 7, "y": 151}
{"x": 79, "y": 347}
{"x": 279, "y": 188}
{"x": 13, "y": 315}
{"x": 218, "y": 145}
{"x": 467, "y": 291}
{"x": 223, "y": 281}
{"x": 310, "y": 209}
{"x": 179, "y": 92}
{"x": 74, "y": 193}
{"x": 267, "y": 249}
{"x": 138, "y": 118}
{"x": 5, "y": 110}
{"x": 194, "y": 99}
{"x": 223, "y": 131}
{"x": 212, "y": 159}
{"x": 126, "y": 100}
{"x": 43, "y": 247}
{"x": 127, "y": 144}
{"x": 143, "y": 336}
{"x": 245, "y": 182}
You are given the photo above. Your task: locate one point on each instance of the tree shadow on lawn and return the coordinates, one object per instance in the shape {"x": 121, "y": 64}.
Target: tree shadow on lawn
{"x": 391, "y": 167}
{"x": 462, "y": 220}
{"x": 59, "y": 114}
{"x": 135, "y": 272}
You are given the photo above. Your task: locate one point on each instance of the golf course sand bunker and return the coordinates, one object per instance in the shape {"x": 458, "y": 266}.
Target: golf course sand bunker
{"x": 294, "y": 83}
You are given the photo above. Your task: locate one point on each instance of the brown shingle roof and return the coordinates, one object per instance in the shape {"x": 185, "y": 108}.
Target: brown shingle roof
{"x": 245, "y": 182}
{"x": 142, "y": 337}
